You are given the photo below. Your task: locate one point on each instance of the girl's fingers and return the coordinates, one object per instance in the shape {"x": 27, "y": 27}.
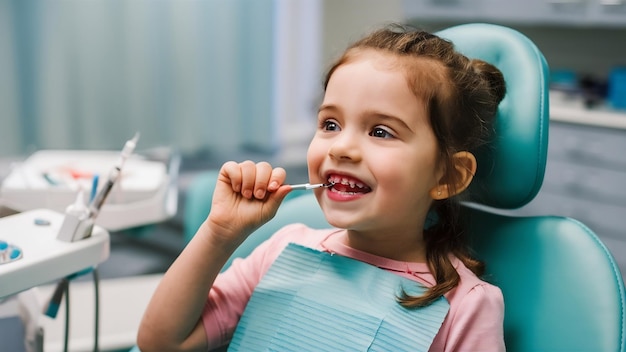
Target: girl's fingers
{"x": 248, "y": 174}
{"x": 263, "y": 174}
{"x": 231, "y": 173}
{"x": 279, "y": 175}
{"x": 253, "y": 180}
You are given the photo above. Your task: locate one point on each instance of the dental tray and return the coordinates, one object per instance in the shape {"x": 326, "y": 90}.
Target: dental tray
{"x": 146, "y": 192}
{"x": 42, "y": 257}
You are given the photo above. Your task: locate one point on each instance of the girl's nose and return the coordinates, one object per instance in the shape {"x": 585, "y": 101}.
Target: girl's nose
{"x": 345, "y": 147}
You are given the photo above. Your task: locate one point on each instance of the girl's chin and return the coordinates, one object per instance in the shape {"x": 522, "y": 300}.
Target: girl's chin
{"x": 345, "y": 221}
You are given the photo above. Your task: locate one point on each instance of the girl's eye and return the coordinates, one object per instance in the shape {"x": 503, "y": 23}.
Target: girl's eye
{"x": 380, "y": 132}
{"x": 329, "y": 125}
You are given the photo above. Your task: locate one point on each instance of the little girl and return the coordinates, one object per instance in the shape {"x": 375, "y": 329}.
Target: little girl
{"x": 402, "y": 113}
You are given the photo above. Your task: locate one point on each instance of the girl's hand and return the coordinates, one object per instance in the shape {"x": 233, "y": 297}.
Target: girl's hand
{"x": 246, "y": 196}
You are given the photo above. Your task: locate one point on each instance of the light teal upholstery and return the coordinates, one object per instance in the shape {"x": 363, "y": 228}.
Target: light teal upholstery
{"x": 198, "y": 197}
{"x": 562, "y": 288}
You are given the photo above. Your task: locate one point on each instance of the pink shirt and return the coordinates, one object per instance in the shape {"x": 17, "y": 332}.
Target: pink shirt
{"x": 474, "y": 321}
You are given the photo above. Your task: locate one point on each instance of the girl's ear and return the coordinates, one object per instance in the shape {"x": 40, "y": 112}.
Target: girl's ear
{"x": 463, "y": 173}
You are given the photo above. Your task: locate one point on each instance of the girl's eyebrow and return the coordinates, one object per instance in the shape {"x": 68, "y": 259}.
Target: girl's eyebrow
{"x": 390, "y": 117}
{"x": 327, "y": 107}
{"x": 374, "y": 113}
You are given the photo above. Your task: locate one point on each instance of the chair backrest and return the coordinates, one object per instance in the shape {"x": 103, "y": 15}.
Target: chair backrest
{"x": 562, "y": 288}
{"x": 511, "y": 168}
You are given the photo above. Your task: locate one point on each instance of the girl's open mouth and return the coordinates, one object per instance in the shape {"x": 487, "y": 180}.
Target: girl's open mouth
{"x": 347, "y": 185}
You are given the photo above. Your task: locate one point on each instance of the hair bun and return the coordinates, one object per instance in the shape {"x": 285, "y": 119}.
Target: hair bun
{"x": 492, "y": 76}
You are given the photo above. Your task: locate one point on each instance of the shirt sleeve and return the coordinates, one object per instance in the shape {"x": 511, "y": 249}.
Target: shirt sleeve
{"x": 478, "y": 324}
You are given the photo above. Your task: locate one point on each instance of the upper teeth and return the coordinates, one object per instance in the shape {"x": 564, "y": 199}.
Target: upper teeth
{"x": 344, "y": 181}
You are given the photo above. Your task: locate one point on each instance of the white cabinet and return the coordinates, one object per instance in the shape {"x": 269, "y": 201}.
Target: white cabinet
{"x": 443, "y": 9}
{"x": 610, "y": 13}
{"x": 563, "y": 12}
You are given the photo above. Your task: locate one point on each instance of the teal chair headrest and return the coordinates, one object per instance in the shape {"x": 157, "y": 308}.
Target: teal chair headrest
{"x": 511, "y": 168}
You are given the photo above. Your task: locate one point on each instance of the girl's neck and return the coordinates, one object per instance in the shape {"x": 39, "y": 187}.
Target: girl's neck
{"x": 406, "y": 248}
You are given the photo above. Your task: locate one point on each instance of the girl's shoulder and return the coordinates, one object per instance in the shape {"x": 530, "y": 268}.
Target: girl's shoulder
{"x": 476, "y": 318}
{"x": 474, "y": 286}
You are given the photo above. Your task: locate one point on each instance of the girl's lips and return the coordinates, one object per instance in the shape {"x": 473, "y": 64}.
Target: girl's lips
{"x": 347, "y": 184}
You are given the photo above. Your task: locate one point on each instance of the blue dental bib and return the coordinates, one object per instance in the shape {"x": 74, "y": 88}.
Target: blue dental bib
{"x": 316, "y": 301}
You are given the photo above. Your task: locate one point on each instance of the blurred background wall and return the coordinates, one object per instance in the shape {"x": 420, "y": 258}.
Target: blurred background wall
{"x": 218, "y": 76}
{"x": 196, "y": 75}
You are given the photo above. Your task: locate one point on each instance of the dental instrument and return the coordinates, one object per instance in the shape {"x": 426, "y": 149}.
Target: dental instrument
{"x": 76, "y": 225}
{"x": 79, "y": 219}
{"x": 98, "y": 201}
{"x": 94, "y": 188}
{"x": 307, "y": 186}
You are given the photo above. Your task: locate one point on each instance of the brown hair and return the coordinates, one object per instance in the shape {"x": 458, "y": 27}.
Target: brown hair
{"x": 461, "y": 97}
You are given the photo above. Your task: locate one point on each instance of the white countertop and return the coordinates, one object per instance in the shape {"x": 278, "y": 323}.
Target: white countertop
{"x": 573, "y": 111}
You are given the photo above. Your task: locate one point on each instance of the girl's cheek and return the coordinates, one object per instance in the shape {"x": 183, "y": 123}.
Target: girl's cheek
{"x": 315, "y": 154}
{"x": 310, "y": 154}
{"x": 315, "y": 149}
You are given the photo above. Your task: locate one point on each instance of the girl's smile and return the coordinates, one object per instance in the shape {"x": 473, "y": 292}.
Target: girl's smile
{"x": 346, "y": 187}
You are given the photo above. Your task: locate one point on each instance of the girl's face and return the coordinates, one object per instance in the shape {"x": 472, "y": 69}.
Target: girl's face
{"x": 374, "y": 141}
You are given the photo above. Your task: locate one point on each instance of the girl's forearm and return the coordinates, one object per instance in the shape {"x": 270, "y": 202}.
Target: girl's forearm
{"x": 246, "y": 196}
{"x": 175, "y": 309}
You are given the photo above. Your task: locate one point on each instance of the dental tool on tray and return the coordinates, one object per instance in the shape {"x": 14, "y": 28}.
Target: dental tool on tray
{"x": 98, "y": 201}
{"x": 79, "y": 220}
{"x": 311, "y": 186}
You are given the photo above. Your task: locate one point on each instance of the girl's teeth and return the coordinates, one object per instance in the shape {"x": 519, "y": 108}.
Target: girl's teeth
{"x": 346, "y": 182}
{"x": 344, "y": 192}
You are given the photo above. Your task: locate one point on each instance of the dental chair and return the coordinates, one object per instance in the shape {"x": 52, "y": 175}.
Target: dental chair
{"x": 562, "y": 288}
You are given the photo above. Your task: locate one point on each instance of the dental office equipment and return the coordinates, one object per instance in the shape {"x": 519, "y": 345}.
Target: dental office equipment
{"x": 45, "y": 257}
{"x": 307, "y": 186}
{"x": 94, "y": 188}
{"x": 35, "y": 255}
{"x": 145, "y": 193}
{"x": 77, "y": 224}
{"x": 79, "y": 219}
{"x": 96, "y": 204}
